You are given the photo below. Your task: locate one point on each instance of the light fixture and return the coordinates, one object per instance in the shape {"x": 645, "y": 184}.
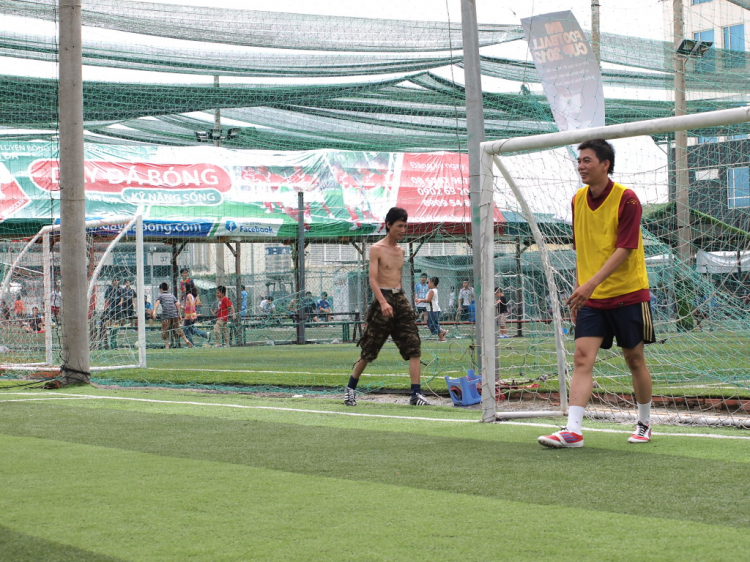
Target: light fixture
{"x": 217, "y": 134}
{"x": 693, "y": 48}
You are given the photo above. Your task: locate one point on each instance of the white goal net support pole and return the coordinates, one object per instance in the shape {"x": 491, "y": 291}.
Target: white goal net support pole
{"x": 125, "y": 226}
{"x": 490, "y": 154}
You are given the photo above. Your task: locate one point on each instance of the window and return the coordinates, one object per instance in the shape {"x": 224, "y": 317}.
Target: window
{"x": 707, "y": 63}
{"x": 734, "y": 45}
{"x": 700, "y": 2}
{"x": 738, "y": 187}
{"x": 706, "y": 140}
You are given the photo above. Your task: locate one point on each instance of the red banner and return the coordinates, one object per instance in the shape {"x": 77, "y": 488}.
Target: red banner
{"x": 435, "y": 188}
{"x": 12, "y": 197}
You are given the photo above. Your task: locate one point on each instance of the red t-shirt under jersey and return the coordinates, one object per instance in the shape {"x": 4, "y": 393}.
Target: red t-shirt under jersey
{"x": 628, "y": 232}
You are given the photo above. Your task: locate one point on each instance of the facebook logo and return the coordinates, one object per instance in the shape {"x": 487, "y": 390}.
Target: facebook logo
{"x": 231, "y": 226}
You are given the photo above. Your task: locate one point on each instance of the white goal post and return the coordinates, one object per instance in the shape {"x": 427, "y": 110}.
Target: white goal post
{"x": 490, "y": 152}
{"x": 123, "y": 226}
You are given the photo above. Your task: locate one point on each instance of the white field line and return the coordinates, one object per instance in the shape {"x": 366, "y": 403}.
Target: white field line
{"x": 205, "y": 370}
{"x": 354, "y": 414}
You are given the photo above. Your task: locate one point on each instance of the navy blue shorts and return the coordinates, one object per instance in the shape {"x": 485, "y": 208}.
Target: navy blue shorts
{"x": 631, "y": 325}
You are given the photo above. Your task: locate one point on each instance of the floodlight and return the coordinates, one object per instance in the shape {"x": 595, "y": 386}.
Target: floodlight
{"x": 693, "y": 48}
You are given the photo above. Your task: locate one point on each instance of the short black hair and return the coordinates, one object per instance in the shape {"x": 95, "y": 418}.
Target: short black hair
{"x": 435, "y": 281}
{"x": 424, "y": 275}
{"x": 395, "y": 214}
{"x": 222, "y": 289}
{"x": 164, "y": 286}
{"x": 602, "y": 149}
{"x": 184, "y": 270}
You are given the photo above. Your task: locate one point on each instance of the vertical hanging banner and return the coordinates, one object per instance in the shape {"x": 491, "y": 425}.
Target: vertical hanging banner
{"x": 567, "y": 68}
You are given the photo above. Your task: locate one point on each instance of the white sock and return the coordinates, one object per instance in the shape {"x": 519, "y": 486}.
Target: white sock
{"x": 644, "y": 413}
{"x": 575, "y": 419}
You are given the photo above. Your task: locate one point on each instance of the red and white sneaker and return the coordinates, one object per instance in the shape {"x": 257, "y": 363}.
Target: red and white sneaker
{"x": 561, "y": 439}
{"x": 641, "y": 434}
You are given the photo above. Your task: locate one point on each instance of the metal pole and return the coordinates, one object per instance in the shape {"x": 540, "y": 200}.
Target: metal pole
{"x": 217, "y": 119}
{"x": 301, "y": 338}
{"x": 411, "y": 275}
{"x": 75, "y": 330}
{"x": 238, "y": 291}
{"x": 519, "y": 290}
{"x": 482, "y": 211}
{"x": 140, "y": 290}
{"x": 681, "y": 194}
{"x": 595, "y": 31}
{"x": 680, "y": 148}
{"x": 47, "y": 269}
{"x": 718, "y": 118}
{"x": 219, "y": 245}
{"x": 220, "y": 271}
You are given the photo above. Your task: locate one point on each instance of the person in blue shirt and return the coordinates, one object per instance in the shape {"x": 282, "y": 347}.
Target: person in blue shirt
{"x": 420, "y": 294}
{"x": 324, "y": 307}
{"x": 243, "y": 301}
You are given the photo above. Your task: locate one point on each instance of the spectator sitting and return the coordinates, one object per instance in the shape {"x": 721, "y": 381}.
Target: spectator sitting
{"x": 35, "y": 323}
{"x": 309, "y": 306}
{"x": 324, "y": 307}
{"x": 18, "y": 307}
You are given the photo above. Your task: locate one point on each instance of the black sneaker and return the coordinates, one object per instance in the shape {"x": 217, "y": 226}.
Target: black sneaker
{"x": 350, "y": 396}
{"x": 418, "y": 399}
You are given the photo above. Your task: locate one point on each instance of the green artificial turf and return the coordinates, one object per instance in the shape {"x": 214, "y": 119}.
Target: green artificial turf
{"x": 155, "y": 475}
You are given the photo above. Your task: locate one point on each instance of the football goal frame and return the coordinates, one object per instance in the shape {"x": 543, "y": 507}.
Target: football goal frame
{"x": 490, "y": 157}
{"x": 124, "y": 226}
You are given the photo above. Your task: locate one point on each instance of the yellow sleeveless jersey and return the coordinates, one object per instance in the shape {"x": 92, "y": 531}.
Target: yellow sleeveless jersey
{"x": 596, "y": 236}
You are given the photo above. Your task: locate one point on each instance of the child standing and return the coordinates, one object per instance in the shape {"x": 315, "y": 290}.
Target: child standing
{"x": 433, "y": 309}
{"x": 191, "y": 316}
{"x": 222, "y": 316}
{"x": 170, "y": 315}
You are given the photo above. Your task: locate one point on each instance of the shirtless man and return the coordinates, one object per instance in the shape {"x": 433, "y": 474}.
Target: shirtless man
{"x": 390, "y": 314}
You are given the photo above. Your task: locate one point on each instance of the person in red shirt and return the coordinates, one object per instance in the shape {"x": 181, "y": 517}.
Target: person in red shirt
{"x": 223, "y": 313}
{"x": 611, "y": 297}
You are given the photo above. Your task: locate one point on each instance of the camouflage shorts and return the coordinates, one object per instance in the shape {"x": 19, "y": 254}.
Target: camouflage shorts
{"x": 401, "y": 327}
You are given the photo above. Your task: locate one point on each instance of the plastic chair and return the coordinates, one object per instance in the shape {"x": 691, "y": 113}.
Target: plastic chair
{"x": 464, "y": 391}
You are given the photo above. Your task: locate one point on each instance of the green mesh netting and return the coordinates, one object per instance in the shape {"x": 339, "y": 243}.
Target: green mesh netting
{"x": 369, "y": 89}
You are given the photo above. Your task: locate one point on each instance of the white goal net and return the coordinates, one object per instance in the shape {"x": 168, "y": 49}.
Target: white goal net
{"x": 700, "y": 364}
{"x": 32, "y": 309}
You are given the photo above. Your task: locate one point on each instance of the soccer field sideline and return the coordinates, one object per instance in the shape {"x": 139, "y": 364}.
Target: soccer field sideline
{"x": 66, "y": 396}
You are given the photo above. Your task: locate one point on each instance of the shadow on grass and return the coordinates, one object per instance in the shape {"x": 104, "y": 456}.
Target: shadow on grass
{"x": 16, "y": 547}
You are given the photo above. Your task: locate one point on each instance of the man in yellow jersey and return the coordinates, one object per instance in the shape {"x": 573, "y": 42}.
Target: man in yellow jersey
{"x": 611, "y": 297}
